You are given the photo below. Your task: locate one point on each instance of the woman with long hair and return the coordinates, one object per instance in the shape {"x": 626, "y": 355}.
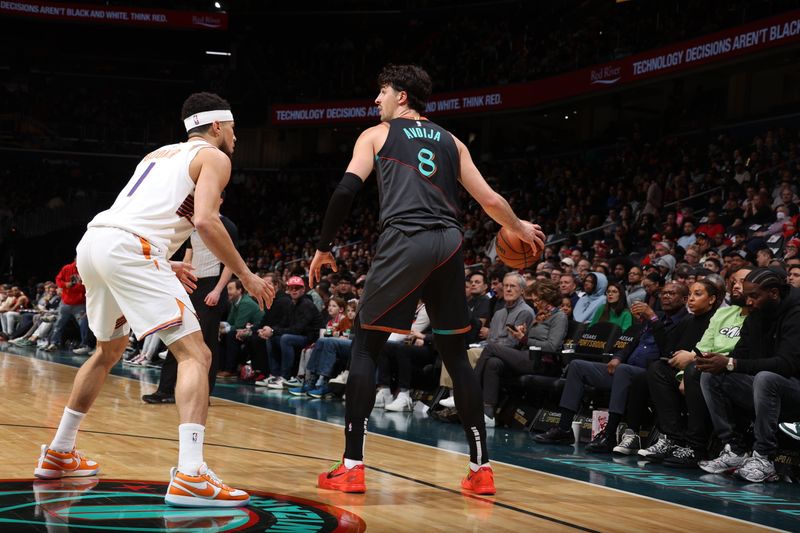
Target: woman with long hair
{"x": 615, "y": 310}
{"x": 675, "y": 383}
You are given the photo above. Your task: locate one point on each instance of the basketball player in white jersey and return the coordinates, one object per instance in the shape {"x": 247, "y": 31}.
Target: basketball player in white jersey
{"x": 130, "y": 284}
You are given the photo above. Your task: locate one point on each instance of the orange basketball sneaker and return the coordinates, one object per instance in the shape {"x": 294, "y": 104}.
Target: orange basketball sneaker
{"x": 55, "y": 465}
{"x": 203, "y": 490}
{"x": 339, "y": 477}
{"x": 480, "y": 482}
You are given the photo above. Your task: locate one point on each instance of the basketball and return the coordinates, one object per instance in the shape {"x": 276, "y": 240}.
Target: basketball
{"x": 514, "y": 252}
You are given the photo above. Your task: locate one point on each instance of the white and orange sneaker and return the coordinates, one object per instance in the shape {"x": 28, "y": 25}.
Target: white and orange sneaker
{"x": 203, "y": 490}
{"x": 55, "y": 465}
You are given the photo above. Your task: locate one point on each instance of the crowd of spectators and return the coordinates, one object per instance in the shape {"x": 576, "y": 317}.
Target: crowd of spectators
{"x": 657, "y": 247}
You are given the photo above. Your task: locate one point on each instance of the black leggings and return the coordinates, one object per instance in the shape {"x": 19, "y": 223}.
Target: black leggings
{"x": 361, "y": 391}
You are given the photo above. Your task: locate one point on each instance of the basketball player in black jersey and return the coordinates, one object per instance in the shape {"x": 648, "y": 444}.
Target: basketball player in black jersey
{"x": 419, "y": 165}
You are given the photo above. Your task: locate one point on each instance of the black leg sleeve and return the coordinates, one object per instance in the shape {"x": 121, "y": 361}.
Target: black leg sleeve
{"x": 360, "y": 388}
{"x": 468, "y": 397}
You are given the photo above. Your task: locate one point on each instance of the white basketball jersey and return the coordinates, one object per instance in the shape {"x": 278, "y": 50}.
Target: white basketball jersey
{"x": 158, "y": 201}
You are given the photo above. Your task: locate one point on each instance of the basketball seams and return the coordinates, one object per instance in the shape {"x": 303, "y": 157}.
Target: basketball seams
{"x": 520, "y": 258}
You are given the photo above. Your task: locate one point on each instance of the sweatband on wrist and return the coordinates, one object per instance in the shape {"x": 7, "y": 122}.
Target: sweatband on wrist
{"x": 207, "y": 117}
{"x": 338, "y": 208}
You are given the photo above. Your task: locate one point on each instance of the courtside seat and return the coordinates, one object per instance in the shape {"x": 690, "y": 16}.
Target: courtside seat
{"x": 595, "y": 343}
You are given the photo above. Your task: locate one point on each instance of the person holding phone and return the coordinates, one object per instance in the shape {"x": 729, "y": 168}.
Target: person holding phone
{"x": 624, "y": 376}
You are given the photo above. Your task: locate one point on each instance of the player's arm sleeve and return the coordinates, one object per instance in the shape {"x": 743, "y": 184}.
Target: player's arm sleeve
{"x": 338, "y": 208}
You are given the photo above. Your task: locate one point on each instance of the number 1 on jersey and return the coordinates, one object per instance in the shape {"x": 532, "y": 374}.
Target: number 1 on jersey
{"x": 426, "y": 165}
{"x": 143, "y": 176}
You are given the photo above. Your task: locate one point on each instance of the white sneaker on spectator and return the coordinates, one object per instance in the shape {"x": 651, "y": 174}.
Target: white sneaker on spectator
{"x": 341, "y": 378}
{"x": 450, "y": 402}
{"x": 264, "y": 382}
{"x": 629, "y": 444}
{"x": 163, "y": 355}
{"x": 383, "y": 397}
{"x": 727, "y": 462}
{"x": 401, "y": 403}
{"x": 50, "y": 347}
{"x": 83, "y": 350}
{"x": 292, "y": 383}
{"x": 757, "y": 469}
{"x": 276, "y": 384}
{"x": 490, "y": 422}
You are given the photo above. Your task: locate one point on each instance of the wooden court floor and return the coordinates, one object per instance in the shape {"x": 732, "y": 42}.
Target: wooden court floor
{"x": 411, "y": 487}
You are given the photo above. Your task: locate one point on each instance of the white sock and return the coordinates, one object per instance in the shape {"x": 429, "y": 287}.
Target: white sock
{"x": 190, "y": 450}
{"x": 349, "y": 463}
{"x": 475, "y": 468}
{"x": 64, "y": 441}
{"x": 384, "y": 390}
{"x": 403, "y": 392}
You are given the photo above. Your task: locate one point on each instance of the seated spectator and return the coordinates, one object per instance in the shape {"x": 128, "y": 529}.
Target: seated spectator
{"x": 666, "y": 264}
{"x": 763, "y": 257}
{"x": 511, "y": 316}
{"x": 479, "y": 305}
{"x": 791, "y": 249}
{"x": 653, "y": 284}
{"x": 44, "y": 318}
{"x": 73, "y": 304}
{"x": 10, "y": 313}
{"x": 297, "y": 328}
{"x": 243, "y": 313}
{"x": 404, "y": 352}
{"x": 343, "y": 288}
{"x": 713, "y": 265}
{"x": 681, "y": 443}
{"x": 688, "y": 238}
{"x": 594, "y": 287}
{"x": 794, "y": 276}
{"x": 545, "y": 334}
{"x": 634, "y": 291}
{"x": 615, "y": 310}
{"x": 711, "y": 226}
{"x": 566, "y": 307}
{"x": 328, "y": 350}
{"x": 760, "y": 377}
{"x": 569, "y": 287}
{"x": 617, "y": 376}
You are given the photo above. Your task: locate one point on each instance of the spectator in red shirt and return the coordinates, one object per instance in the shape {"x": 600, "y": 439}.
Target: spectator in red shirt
{"x": 711, "y": 226}
{"x": 73, "y": 304}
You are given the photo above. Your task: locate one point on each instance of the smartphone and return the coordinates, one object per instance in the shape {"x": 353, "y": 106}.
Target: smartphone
{"x": 665, "y": 359}
{"x": 511, "y": 326}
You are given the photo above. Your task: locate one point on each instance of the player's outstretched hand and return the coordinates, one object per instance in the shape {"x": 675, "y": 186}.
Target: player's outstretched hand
{"x": 185, "y": 275}
{"x": 260, "y": 289}
{"x": 532, "y": 234}
{"x": 320, "y": 259}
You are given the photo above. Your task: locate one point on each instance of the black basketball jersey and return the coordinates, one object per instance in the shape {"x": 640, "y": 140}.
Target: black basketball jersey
{"x": 418, "y": 170}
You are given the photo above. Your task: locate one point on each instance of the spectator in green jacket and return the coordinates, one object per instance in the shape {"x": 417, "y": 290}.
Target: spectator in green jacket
{"x": 244, "y": 312}
{"x": 615, "y": 310}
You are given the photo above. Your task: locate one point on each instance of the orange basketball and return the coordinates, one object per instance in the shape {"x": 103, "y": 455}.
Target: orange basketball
{"x": 514, "y": 252}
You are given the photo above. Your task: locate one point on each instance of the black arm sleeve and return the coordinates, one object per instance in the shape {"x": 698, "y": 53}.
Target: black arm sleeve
{"x": 338, "y": 208}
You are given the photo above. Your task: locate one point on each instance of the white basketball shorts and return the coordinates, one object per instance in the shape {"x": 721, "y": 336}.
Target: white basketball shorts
{"x": 130, "y": 285}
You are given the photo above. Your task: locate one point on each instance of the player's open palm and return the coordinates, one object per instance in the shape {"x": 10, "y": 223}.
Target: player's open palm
{"x": 259, "y": 289}
{"x": 320, "y": 259}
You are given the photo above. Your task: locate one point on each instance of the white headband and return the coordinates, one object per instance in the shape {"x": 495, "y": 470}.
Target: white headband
{"x": 207, "y": 117}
